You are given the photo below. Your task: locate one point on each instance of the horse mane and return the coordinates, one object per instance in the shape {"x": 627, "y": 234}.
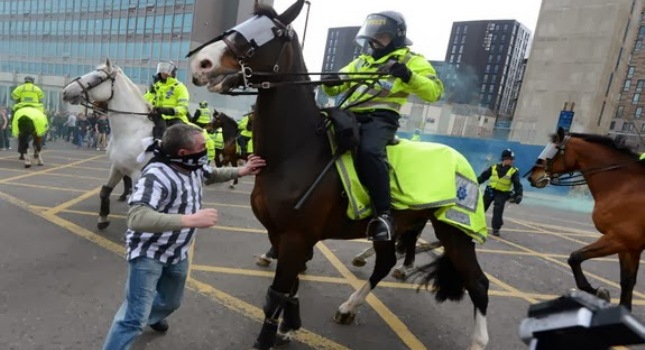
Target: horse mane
{"x": 130, "y": 86}
{"x": 228, "y": 119}
{"x": 603, "y": 141}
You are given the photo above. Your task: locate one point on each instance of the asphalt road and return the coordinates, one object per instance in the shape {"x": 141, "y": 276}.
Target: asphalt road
{"x": 63, "y": 280}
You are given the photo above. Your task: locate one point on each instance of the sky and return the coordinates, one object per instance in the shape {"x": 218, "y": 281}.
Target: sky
{"x": 429, "y": 29}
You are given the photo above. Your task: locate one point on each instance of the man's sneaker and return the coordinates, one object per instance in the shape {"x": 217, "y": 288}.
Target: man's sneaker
{"x": 380, "y": 228}
{"x": 161, "y": 326}
{"x": 496, "y": 233}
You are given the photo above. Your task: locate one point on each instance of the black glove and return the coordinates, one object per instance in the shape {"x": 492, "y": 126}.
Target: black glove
{"x": 515, "y": 199}
{"x": 335, "y": 82}
{"x": 401, "y": 71}
{"x": 152, "y": 89}
{"x": 165, "y": 110}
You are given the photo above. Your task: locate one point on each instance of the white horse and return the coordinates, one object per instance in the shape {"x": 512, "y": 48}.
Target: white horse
{"x": 127, "y": 112}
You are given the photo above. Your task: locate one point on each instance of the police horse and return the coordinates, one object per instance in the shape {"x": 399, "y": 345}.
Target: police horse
{"x": 288, "y": 132}
{"x": 128, "y": 114}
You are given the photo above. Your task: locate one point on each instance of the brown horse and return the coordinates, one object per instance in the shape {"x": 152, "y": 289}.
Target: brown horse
{"x": 288, "y": 132}
{"x": 230, "y": 134}
{"x": 616, "y": 180}
{"x": 26, "y": 131}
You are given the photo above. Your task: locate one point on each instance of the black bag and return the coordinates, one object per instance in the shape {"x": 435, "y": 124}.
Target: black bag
{"x": 346, "y": 129}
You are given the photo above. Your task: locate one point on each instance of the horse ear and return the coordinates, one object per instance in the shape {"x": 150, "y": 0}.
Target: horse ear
{"x": 561, "y": 135}
{"x": 291, "y": 13}
{"x": 108, "y": 64}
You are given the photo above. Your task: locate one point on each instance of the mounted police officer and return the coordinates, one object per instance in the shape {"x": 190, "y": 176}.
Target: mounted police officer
{"x": 169, "y": 98}
{"x": 245, "y": 126}
{"x": 416, "y": 136}
{"x": 202, "y": 116}
{"x": 28, "y": 94}
{"x": 504, "y": 185}
{"x": 377, "y": 105}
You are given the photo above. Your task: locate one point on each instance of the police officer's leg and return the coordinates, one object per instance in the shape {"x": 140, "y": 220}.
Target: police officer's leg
{"x": 244, "y": 143}
{"x": 373, "y": 170}
{"x": 498, "y": 211}
{"x": 488, "y": 198}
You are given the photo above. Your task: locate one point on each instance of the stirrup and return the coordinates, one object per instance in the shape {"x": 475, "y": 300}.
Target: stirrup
{"x": 382, "y": 235}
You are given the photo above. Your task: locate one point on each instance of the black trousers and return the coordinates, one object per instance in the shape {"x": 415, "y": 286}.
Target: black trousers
{"x": 243, "y": 141}
{"x": 499, "y": 199}
{"x": 161, "y": 125}
{"x": 377, "y": 129}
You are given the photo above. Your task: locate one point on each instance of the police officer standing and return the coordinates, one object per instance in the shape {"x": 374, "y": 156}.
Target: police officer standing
{"x": 28, "y": 94}
{"x": 504, "y": 178}
{"x": 169, "y": 97}
{"x": 245, "y": 126}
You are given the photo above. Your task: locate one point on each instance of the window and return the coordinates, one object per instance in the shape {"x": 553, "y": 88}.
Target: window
{"x": 639, "y": 85}
{"x": 638, "y": 113}
{"x": 636, "y": 98}
{"x": 628, "y": 127}
{"x": 641, "y": 32}
{"x": 638, "y": 45}
{"x": 627, "y": 85}
{"x": 630, "y": 71}
{"x": 619, "y": 111}
{"x": 613, "y": 124}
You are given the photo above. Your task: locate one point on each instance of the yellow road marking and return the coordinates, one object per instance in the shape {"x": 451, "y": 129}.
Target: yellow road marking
{"x": 543, "y": 231}
{"x": 55, "y": 188}
{"x": 47, "y": 170}
{"x": 222, "y": 298}
{"x": 74, "y": 201}
{"x": 388, "y": 316}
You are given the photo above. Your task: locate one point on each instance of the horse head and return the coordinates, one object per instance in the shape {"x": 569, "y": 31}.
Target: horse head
{"x": 553, "y": 161}
{"x": 258, "y": 47}
{"x": 93, "y": 87}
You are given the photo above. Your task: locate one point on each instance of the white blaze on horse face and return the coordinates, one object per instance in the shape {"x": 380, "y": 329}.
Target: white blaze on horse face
{"x": 480, "y": 334}
{"x": 73, "y": 92}
{"x": 207, "y": 63}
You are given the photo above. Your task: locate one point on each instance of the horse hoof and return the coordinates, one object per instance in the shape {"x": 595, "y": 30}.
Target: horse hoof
{"x": 122, "y": 198}
{"x": 281, "y": 340}
{"x": 358, "y": 262}
{"x": 344, "y": 318}
{"x": 603, "y": 294}
{"x": 399, "y": 274}
{"x": 231, "y": 187}
{"x": 40, "y": 164}
{"x": 263, "y": 261}
{"x": 27, "y": 165}
{"x": 103, "y": 225}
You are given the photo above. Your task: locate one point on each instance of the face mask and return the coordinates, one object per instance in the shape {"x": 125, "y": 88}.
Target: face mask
{"x": 190, "y": 162}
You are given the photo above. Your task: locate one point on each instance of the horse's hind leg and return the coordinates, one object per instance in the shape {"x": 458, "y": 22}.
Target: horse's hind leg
{"x": 457, "y": 269}
{"x": 361, "y": 258}
{"x": 628, "y": 270}
{"x": 605, "y": 245}
{"x": 38, "y": 154}
{"x": 127, "y": 188}
{"x": 106, "y": 191}
{"x": 385, "y": 260}
{"x": 407, "y": 245}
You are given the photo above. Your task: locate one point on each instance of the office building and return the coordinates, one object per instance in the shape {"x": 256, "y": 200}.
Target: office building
{"x": 577, "y": 65}
{"x": 488, "y": 57}
{"x": 58, "y": 40}
{"x": 340, "y": 48}
{"x": 628, "y": 123}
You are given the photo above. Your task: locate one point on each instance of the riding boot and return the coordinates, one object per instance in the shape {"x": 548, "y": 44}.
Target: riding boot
{"x": 380, "y": 228}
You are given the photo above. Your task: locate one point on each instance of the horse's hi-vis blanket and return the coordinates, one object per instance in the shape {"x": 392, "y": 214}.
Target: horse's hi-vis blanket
{"x": 423, "y": 175}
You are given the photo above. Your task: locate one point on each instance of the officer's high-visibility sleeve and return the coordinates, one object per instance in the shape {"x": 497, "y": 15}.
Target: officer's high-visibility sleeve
{"x": 15, "y": 94}
{"x": 182, "y": 100}
{"x": 335, "y": 90}
{"x": 424, "y": 81}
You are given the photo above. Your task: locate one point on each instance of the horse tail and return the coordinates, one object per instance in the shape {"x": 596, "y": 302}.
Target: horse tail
{"x": 447, "y": 283}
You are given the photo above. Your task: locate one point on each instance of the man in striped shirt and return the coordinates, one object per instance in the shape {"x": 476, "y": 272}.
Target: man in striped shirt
{"x": 165, "y": 211}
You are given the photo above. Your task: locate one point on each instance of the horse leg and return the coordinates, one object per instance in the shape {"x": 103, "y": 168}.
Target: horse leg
{"x": 234, "y": 163}
{"x": 628, "y": 270}
{"x": 605, "y": 245}
{"x": 38, "y": 142}
{"x": 281, "y": 295}
{"x": 106, "y": 191}
{"x": 457, "y": 269}
{"x": 23, "y": 146}
{"x": 127, "y": 188}
{"x": 407, "y": 242}
{"x": 361, "y": 258}
{"x": 385, "y": 260}
{"x": 266, "y": 258}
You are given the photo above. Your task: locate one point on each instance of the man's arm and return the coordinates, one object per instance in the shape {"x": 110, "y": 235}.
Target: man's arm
{"x": 15, "y": 94}
{"x": 485, "y": 175}
{"x": 517, "y": 184}
{"x": 335, "y": 90}
{"x": 424, "y": 81}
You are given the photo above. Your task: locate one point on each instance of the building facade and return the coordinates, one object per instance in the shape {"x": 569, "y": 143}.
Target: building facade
{"x": 628, "y": 123}
{"x": 340, "y": 48}
{"x": 58, "y": 40}
{"x": 488, "y": 58}
{"x": 579, "y": 57}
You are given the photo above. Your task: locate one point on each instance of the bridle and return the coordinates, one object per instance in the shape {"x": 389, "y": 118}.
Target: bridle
{"x": 87, "y": 103}
{"x": 571, "y": 178}
{"x": 256, "y": 32}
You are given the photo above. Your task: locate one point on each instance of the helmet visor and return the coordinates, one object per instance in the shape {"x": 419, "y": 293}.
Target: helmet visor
{"x": 165, "y": 67}
{"x": 376, "y": 27}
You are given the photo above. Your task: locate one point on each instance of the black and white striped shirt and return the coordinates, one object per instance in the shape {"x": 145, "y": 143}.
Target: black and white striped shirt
{"x": 166, "y": 190}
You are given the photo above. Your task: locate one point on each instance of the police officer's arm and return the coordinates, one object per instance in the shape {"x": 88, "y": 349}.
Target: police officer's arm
{"x": 424, "y": 81}
{"x": 335, "y": 90}
{"x": 15, "y": 94}
{"x": 40, "y": 94}
{"x": 196, "y": 115}
{"x": 485, "y": 175}
{"x": 182, "y": 100}
{"x": 517, "y": 184}
{"x": 149, "y": 96}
